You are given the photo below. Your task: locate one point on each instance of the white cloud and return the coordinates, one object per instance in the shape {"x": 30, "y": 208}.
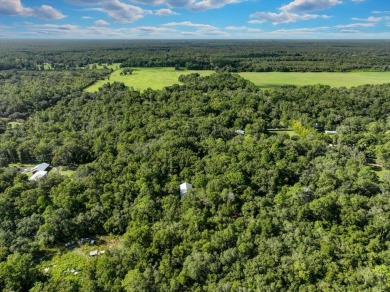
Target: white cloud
{"x": 101, "y": 22}
{"x": 381, "y": 12}
{"x": 309, "y": 5}
{"x": 198, "y": 29}
{"x": 56, "y": 29}
{"x": 369, "y": 19}
{"x": 47, "y": 12}
{"x": 212, "y": 4}
{"x": 85, "y": 2}
{"x": 145, "y": 31}
{"x": 359, "y": 24}
{"x": 165, "y": 12}
{"x": 294, "y": 11}
{"x": 213, "y": 32}
{"x": 236, "y": 28}
{"x": 16, "y": 8}
{"x": 87, "y": 17}
{"x": 188, "y": 4}
{"x": 243, "y": 29}
{"x": 115, "y": 9}
{"x": 72, "y": 31}
{"x": 372, "y": 19}
{"x": 122, "y": 12}
{"x": 358, "y": 0}
{"x": 190, "y": 24}
{"x": 350, "y": 31}
{"x": 282, "y": 17}
{"x": 202, "y": 33}
{"x": 91, "y": 32}
{"x": 168, "y": 3}
{"x": 303, "y": 30}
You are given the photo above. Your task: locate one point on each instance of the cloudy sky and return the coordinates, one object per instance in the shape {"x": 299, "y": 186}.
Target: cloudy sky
{"x": 181, "y": 19}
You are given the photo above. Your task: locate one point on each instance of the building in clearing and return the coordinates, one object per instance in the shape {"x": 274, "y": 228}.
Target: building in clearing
{"x": 41, "y": 167}
{"x": 38, "y": 175}
{"x": 185, "y": 187}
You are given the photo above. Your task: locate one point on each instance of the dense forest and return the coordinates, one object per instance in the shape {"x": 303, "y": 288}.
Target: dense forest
{"x": 226, "y": 56}
{"x": 269, "y": 209}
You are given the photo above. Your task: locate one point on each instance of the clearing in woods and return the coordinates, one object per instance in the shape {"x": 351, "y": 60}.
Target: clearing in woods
{"x": 269, "y": 80}
{"x": 158, "y": 78}
{"x": 143, "y": 78}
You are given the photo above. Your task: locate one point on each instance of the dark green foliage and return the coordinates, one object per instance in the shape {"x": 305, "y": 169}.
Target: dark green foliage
{"x": 22, "y": 93}
{"x": 220, "y": 55}
{"x": 126, "y": 71}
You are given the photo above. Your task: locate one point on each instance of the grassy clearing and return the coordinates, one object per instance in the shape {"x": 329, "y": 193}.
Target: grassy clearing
{"x": 22, "y": 165}
{"x": 291, "y": 133}
{"x": 380, "y": 172}
{"x": 270, "y": 80}
{"x": 14, "y": 124}
{"x": 46, "y": 66}
{"x": 62, "y": 170}
{"x": 65, "y": 265}
{"x": 143, "y": 78}
{"x": 158, "y": 78}
{"x": 70, "y": 263}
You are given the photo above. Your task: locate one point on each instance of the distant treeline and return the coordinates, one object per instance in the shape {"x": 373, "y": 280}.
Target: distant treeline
{"x": 219, "y": 55}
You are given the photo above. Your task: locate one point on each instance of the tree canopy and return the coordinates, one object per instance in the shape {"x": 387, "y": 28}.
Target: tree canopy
{"x": 294, "y": 209}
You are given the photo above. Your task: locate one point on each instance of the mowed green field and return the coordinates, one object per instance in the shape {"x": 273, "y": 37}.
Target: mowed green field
{"x": 143, "y": 78}
{"x": 269, "y": 80}
{"x": 291, "y": 133}
{"x": 158, "y": 78}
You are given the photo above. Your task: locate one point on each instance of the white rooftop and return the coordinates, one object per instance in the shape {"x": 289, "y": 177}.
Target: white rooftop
{"x": 93, "y": 253}
{"x": 330, "y": 132}
{"x": 40, "y": 167}
{"x": 38, "y": 175}
{"x": 184, "y": 187}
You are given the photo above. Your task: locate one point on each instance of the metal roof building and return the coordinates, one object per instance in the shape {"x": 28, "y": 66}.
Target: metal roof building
{"x": 41, "y": 167}
{"x": 38, "y": 175}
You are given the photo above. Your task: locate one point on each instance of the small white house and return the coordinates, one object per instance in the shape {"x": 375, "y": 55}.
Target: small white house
{"x": 38, "y": 175}
{"x": 93, "y": 253}
{"x": 330, "y": 132}
{"x": 185, "y": 187}
{"x": 240, "y": 132}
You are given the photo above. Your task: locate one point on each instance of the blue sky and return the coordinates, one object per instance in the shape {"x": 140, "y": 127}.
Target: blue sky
{"x": 189, "y": 19}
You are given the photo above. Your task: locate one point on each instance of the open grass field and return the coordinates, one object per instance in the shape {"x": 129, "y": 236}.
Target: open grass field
{"x": 291, "y": 133}
{"x": 158, "y": 78}
{"x": 143, "y": 78}
{"x": 269, "y": 80}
